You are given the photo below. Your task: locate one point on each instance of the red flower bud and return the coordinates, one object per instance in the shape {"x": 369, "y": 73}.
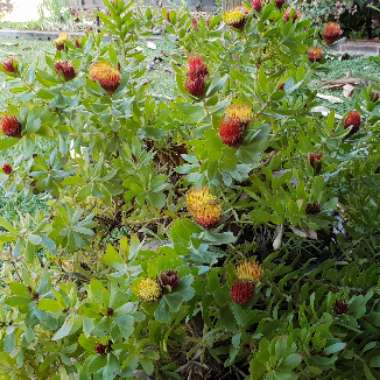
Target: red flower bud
{"x": 257, "y": 5}
{"x": 331, "y": 32}
{"x": 315, "y": 54}
{"x": 196, "y": 68}
{"x": 10, "y": 65}
{"x": 279, "y": 3}
{"x": 65, "y": 69}
{"x": 341, "y": 307}
{"x": 101, "y": 349}
{"x": 169, "y": 280}
{"x": 313, "y": 208}
{"x": 291, "y": 14}
{"x": 315, "y": 160}
{"x": 196, "y": 87}
{"x": 242, "y": 292}
{"x": 10, "y": 126}
{"x": 7, "y": 169}
{"x": 353, "y": 121}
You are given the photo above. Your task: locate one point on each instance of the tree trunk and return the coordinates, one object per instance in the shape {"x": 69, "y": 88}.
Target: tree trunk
{"x": 230, "y": 4}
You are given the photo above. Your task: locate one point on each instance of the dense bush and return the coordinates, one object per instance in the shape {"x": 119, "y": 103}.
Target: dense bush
{"x": 359, "y": 18}
{"x": 249, "y": 228}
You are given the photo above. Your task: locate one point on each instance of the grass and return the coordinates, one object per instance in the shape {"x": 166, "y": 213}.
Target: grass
{"x": 365, "y": 68}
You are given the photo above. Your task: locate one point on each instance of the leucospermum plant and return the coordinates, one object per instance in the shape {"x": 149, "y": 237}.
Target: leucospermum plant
{"x": 186, "y": 236}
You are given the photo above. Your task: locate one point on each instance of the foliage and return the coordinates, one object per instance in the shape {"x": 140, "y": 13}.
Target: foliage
{"x": 117, "y": 161}
{"x": 359, "y": 17}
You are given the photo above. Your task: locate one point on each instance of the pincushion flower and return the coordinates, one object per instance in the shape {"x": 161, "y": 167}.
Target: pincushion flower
{"x": 279, "y": 3}
{"x": 106, "y": 75}
{"x": 231, "y": 132}
{"x": 353, "y": 121}
{"x": 10, "y": 126}
{"x": 241, "y": 112}
{"x": 249, "y": 271}
{"x": 10, "y": 65}
{"x": 331, "y": 32}
{"x": 236, "y": 17}
{"x": 242, "y": 291}
{"x": 315, "y": 54}
{"x": 61, "y": 41}
{"x": 65, "y": 69}
{"x": 203, "y": 207}
{"x": 196, "y": 76}
{"x": 148, "y": 290}
{"x": 234, "y": 124}
{"x": 196, "y": 67}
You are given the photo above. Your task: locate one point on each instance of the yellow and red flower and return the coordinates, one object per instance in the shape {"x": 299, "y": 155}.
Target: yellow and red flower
{"x": 236, "y": 17}
{"x": 331, "y": 32}
{"x": 315, "y": 54}
{"x": 203, "y": 207}
{"x": 61, "y": 41}
{"x": 148, "y": 290}
{"x": 249, "y": 271}
{"x": 10, "y": 126}
{"x": 106, "y": 75}
{"x": 65, "y": 69}
{"x": 234, "y": 124}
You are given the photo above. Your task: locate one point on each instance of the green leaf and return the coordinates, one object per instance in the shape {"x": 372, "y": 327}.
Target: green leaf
{"x": 50, "y": 305}
{"x": 70, "y": 326}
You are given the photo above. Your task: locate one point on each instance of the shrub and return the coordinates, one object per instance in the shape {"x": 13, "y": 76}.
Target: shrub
{"x": 240, "y": 260}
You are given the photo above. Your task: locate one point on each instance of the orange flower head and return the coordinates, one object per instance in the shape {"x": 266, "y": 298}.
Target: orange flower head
{"x": 249, "y": 271}
{"x": 331, "y": 32}
{"x": 10, "y": 65}
{"x": 315, "y": 54}
{"x": 61, "y": 41}
{"x": 240, "y": 112}
{"x": 10, "y": 126}
{"x": 203, "y": 207}
{"x": 236, "y": 17}
{"x": 107, "y": 76}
